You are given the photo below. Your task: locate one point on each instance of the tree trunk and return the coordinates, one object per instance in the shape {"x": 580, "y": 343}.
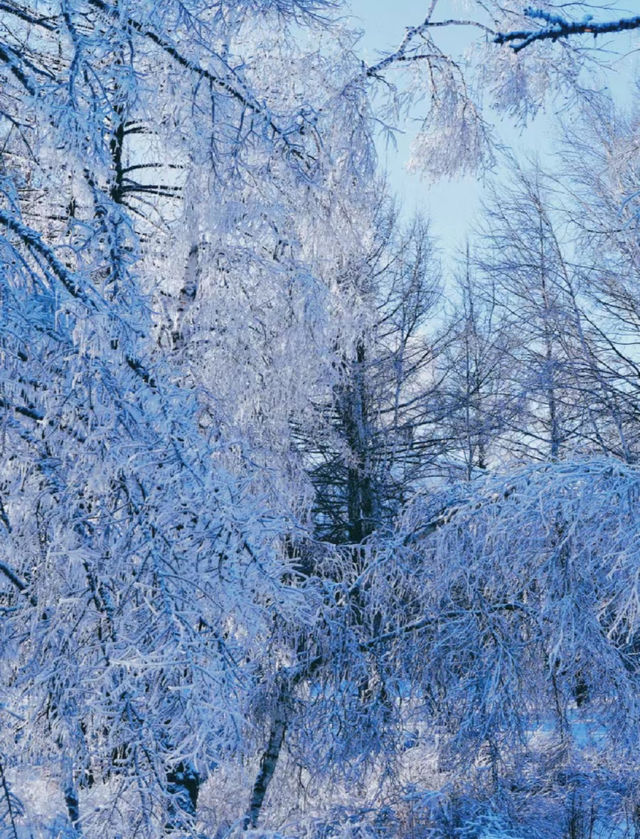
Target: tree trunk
{"x": 183, "y": 786}
{"x": 71, "y": 798}
{"x": 269, "y": 760}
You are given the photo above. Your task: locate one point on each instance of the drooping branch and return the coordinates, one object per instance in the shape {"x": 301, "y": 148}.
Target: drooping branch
{"x": 33, "y": 241}
{"x": 47, "y": 22}
{"x": 430, "y": 621}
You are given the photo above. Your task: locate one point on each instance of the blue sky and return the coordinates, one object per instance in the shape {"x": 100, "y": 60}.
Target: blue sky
{"x": 450, "y": 204}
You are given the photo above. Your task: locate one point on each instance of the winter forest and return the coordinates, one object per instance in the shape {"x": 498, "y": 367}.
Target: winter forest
{"x": 308, "y": 532}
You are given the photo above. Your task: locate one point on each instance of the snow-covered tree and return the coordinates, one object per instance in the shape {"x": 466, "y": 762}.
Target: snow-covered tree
{"x": 600, "y": 163}
{"x": 145, "y": 551}
{"x": 378, "y": 436}
{"x": 475, "y": 405}
{"x": 521, "y": 255}
{"x": 192, "y": 274}
{"x": 521, "y": 644}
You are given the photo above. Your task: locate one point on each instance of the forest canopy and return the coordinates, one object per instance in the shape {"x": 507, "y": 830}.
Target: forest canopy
{"x": 304, "y": 534}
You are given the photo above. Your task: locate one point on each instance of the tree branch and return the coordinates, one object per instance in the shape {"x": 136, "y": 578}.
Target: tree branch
{"x": 25, "y": 14}
{"x": 13, "y": 578}
{"x": 221, "y": 84}
{"x": 34, "y": 242}
{"x": 559, "y": 27}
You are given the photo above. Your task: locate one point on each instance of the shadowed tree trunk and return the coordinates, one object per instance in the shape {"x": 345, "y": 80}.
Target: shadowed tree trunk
{"x": 183, "y": 786}
{"x": 269, "y": 759}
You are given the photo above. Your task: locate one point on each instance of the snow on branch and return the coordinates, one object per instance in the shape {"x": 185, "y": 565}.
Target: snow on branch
{"x": 235, "y": 91}
{"x": 557, "y": 26}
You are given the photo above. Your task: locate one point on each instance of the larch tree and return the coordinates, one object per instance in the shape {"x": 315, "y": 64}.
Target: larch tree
{"x": 378, "y": 439}
{"x": 600, "y": 165}
{"x": 521, "y": 252}
{"x": 476, "y": 408}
